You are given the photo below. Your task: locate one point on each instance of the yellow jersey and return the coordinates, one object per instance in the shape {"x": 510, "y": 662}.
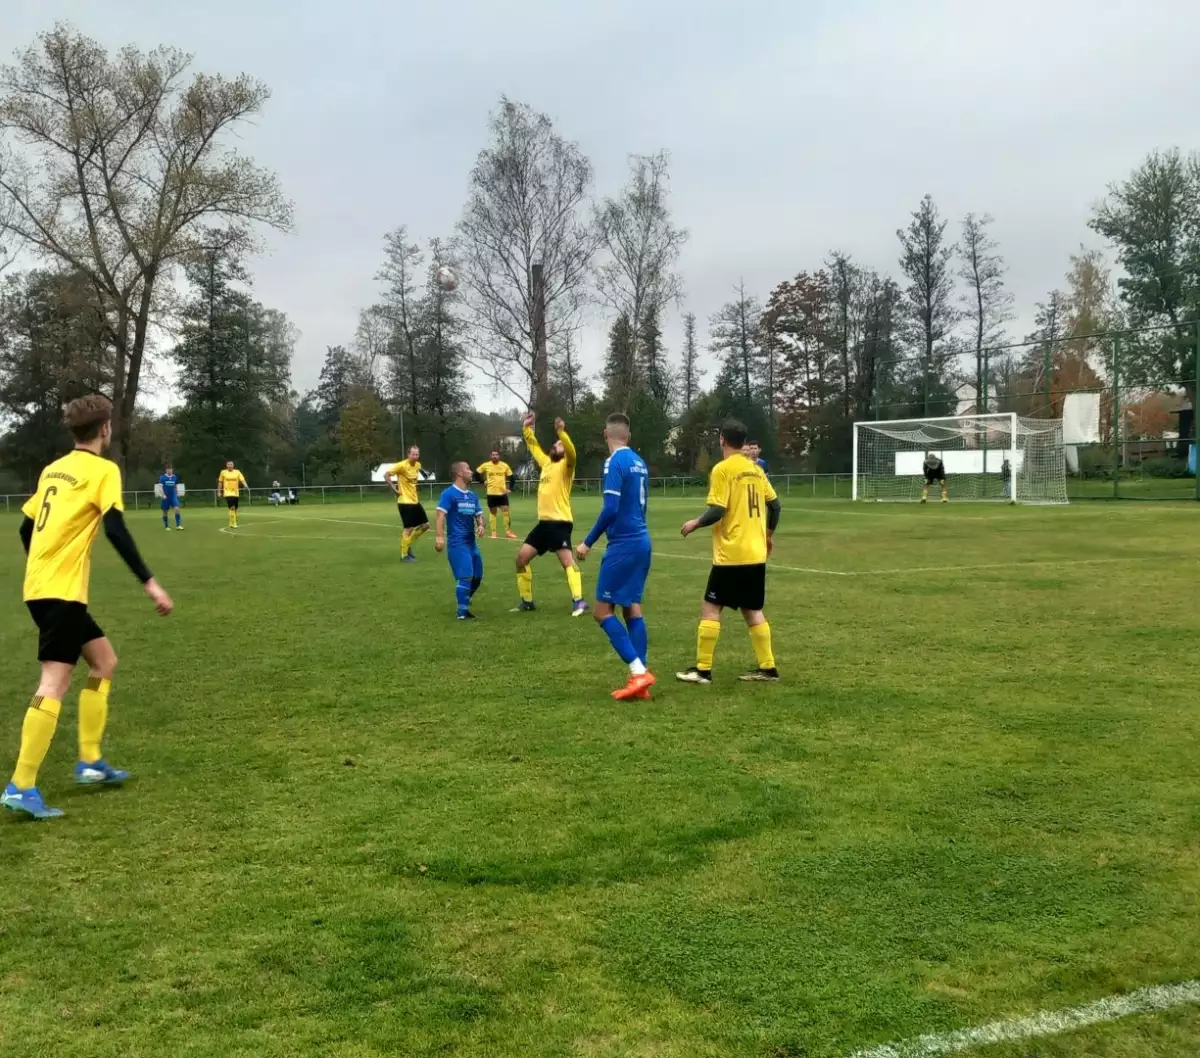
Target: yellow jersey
{"x": 407, "y": 474}
{"x": 739, "y": 485}
{"x": 496, "y": 475}
{"x": 554, "y": 488}
{"x": 73, "y": 494}
{"x": 231, "y": 482}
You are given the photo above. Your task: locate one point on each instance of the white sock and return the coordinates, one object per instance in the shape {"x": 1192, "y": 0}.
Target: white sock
{"x": 636, "y": 667}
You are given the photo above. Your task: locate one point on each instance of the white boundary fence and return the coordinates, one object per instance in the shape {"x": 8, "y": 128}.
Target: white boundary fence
{"x": 824, "y": 486}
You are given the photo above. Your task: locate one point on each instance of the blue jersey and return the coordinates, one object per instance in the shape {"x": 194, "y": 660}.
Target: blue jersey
{"x": 762, "y": 464}
{"x": 461, "y": 507}
{"x": 626, "y": 482}
{"x": 170, "y": 485}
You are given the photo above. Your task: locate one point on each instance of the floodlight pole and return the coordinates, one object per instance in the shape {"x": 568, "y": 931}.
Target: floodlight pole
{"x": 1014, "y": 468}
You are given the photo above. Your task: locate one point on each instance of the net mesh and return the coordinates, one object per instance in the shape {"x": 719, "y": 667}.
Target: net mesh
{"x": 984, "y": 457}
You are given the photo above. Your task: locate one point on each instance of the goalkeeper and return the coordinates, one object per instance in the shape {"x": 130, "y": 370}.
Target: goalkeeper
{"x": 935, "y": 470}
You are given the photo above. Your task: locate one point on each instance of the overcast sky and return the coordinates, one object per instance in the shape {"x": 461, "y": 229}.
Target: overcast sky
{"x": 794, "y": 127}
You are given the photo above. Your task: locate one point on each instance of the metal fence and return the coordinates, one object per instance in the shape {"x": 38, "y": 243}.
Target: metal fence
{"x": 819, "y": 486}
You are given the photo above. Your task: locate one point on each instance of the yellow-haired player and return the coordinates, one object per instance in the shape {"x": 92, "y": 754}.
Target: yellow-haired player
{"x": 403, "y": 478}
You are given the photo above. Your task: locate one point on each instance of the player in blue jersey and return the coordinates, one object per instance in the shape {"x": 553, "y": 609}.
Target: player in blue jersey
{"x": 170, "y": 501}
{"x": 755, "y": 454}
{"x": 626, "y": 562}
{"x": 459, "y": 521}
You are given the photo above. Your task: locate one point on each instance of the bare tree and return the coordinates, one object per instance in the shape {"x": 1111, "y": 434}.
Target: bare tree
{"x": 735, "y": 335}
{"x": 372, "y": 342}
{"x": 401, "y": 274}
{"x": 692, "y": 372}
{"x": 925, "y": 262}
{"x": 528, "y": 191}
{"x": 986, "y": 303}
{"x": 638, "y": 278}
{"x": 119, "y": 173}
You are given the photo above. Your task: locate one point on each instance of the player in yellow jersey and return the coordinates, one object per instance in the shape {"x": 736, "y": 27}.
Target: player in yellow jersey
{"x": 555, "y": 520}
{"x": 230, "y": 483}
{"x": 497, "y": 477}
{"x": 404, "y": 477}
{"x": 743, "y": 511}
{"x": 75, "y": 496}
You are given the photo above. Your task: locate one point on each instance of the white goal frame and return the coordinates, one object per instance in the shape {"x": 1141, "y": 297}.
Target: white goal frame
{"x": 1010, "y": 419}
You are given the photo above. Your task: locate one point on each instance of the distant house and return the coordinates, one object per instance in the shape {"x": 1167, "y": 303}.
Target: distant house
{"x": 966, "y": 404}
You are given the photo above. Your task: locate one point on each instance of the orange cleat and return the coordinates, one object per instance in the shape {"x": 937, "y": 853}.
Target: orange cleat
{"x": 635, "y": 687}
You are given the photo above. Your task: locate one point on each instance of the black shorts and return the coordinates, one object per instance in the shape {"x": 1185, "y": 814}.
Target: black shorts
{"x": 935, "y": 475}
{"x": 738, "y": 587}
{"x": 232, "y": 502}
{"x": 496, "y": 502}
{"x": 64, "y": 628}
{"x": 412, "y": 515}
{"x": 550, "y": 536}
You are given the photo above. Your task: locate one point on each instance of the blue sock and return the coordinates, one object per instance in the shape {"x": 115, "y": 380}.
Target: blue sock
{"x": 462, "y": 592}
{"x": 165, "y": 526}
{"x": 637, "y": 635}
{"x": 619, "y": 637}
{"x": 178, "y": 518}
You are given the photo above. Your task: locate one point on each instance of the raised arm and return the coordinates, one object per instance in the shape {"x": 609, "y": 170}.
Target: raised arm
{"x": 535, "y": 449}
{"x": 560, "y": 428}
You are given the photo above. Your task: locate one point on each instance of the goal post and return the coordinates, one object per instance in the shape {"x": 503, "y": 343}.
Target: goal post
{"x": 1001, "y": 457}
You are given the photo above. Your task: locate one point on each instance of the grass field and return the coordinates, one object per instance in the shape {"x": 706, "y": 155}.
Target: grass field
{"x": 361, "y": 829}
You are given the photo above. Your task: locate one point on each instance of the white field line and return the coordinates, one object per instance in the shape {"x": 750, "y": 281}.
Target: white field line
{"x": 1045, "y": 1023}
{"x": 916, "y": 569}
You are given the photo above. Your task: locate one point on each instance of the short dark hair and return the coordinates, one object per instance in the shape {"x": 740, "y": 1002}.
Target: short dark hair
{"x": 85, "y": 416}
{"x": 617, "y": 418}
{"x": 733, "y": 433}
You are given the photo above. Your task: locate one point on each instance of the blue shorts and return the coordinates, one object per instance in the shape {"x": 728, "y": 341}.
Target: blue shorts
{"x": 465, "y": 562}
{"x": 169, "y": 502}
{"x": 623, "y": 573}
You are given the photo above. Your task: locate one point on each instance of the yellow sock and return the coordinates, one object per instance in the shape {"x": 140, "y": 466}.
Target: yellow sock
{"x": 760, "y": 639}
{"x": 492, "y": 521}
{"x": 575, "y": 583}
{"x": 525, "y": 583}
{"x": 925, "y": 493}
{"x": 507, "y": 521}
{"x": 93, "y": 715}
{"x": 405, "y": 542}
{"x": 234, "y": 513}
{"x": 41, "y": 718}
{"x": 706, "y": 644}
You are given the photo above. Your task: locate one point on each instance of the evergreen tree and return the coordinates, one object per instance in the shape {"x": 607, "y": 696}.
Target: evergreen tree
{"x": 234, "y": 362}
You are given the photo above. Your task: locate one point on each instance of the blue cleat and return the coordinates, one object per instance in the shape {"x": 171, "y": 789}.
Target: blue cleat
{"x": 579, "y": 608}
{"x": 410, "y": 557}
{"x": 99, "y": 773}
{"x": 28, "y": 801}
{"x": 467, "y": 616}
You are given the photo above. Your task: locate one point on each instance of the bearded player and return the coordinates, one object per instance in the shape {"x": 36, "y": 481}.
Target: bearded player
{"x": 497, "y": 477}
{"x": 403, "y": 479}
{"x": 626, "y": 562}
{"x": 555, "y": 519}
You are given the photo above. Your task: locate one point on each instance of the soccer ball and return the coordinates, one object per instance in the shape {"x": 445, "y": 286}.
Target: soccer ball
{"x": 446, "y": 278}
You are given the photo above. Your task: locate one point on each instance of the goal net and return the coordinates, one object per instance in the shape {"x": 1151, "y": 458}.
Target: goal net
{"x": 1001, "y": 457}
